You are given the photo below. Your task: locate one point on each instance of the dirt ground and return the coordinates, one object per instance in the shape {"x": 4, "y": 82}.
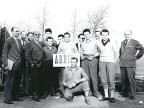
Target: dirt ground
{"x": 78, "y": 102}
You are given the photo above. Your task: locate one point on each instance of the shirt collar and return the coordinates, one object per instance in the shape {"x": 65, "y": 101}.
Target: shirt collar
{"x": 36, "y": 41}
{"x": 15, "y": 38}
{"x": 70, "y": 68}
{"x": 49, "y": 47}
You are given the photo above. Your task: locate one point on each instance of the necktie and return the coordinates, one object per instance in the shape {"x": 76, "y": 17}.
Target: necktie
{"x": 125, "y": 43}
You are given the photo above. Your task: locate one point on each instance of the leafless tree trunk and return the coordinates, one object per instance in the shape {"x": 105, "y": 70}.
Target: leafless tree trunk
{"x": 75, "y": 24}
{"x": 96, "y": 19}
{"x": 42, "y": 19}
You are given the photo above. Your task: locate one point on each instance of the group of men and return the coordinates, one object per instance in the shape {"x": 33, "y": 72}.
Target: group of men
{"x": 31, "y": 61}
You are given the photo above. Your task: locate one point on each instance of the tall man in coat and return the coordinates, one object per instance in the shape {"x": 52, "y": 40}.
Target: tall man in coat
{"x": 12, "y": 56}
{"x": 34, "y": 56}
{"x": 128, "y": 58}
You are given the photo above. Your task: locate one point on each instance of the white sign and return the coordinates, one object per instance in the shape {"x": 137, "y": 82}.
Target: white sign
{"x": 64, "y": 60}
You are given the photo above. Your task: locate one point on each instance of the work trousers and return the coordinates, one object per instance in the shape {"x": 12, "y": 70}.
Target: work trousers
{"x": 90, "y": 67}
{"x": 107, "y": 74}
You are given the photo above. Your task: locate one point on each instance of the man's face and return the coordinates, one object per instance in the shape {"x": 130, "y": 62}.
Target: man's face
{"x": 60, "y": 39}
{"x": 66, "y": 37}
{"x": 127, "y": 35}
{"x": 48, "y": 34}
{"x": 73, "y": 63}
{"x": 30, "y": 37}
{"x": 49, "y": 42}
{"x": 87, "y": 35}
{"x": 81, "y": 39}
{"x": 36, "y": 35}
{"x": 104, "y": 35}
{"x": 23, "y": 36}
{"x": 16, "y": 32}
{"x": 97, "y": 34}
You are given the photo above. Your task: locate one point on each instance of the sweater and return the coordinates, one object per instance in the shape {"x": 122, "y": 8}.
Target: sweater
{"x": 109, "y": 52}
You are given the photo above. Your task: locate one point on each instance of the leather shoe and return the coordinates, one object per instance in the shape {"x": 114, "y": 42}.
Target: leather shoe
{"x": 8, "y": 102}
{"x": 17, "y": 99}
{"x": 132, "y": 97}
{"x": 112, "y": 100}
{"x": 87, "y": 101}
{"x": 44, "y": 96}
{"x": 104, "y": 99}
{"x": 36, "y": 99}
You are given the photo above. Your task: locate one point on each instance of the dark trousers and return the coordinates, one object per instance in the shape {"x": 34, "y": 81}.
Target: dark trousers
{"x": 128, "y": 80}
{"x": 50, "y": 80}
{"x": 90, "y": 67}
{"x": 36, "y": 80}
{"x": 25, "y": 78}
{"x": 12, "y": 83}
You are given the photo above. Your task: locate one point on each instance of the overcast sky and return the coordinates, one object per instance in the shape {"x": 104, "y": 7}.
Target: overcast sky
{"x": 122, "y": 14}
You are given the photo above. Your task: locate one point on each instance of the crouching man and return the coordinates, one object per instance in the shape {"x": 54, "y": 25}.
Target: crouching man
{"x": 75, "y": 80}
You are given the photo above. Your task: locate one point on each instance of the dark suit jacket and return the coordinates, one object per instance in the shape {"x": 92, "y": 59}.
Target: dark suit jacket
{"x": 12, "y": 52}
{"x": 129, "y": 55}
{"x": 34, "y": 53}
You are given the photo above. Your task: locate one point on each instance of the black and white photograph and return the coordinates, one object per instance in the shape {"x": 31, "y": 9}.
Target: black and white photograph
{"x": 71, "y": 54}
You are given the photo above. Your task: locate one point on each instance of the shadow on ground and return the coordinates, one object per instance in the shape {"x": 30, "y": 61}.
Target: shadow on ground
{"x": 78, "y": 102}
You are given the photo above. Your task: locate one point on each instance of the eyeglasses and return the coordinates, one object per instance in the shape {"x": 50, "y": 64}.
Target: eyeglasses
{"x": 83, "y": 38}
{"x": 37, "y": 34}
{"x": 126, "y": 34}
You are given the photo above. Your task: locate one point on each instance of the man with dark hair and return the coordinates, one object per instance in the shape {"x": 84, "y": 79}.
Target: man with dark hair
{"x": 48, "y": 30}
{"x": 12, "y": 56}
{"x": 75, "y": 80}
{"x": 131, "y": 50}
{"x": 24, "y": 41}
{"x": 86, "y": 30}
{"x": 108, "y": 56}
{"x": 30, "y": 36}
{"x": 28, "y": 67}
{"x": 34, "y": 56}
{"x": 60, "y": 39}
{"x": 81, "y": 39}
{"x": 89, "y": 58}
{"x": 50, "y": 74}
{"x": 48, "y": 33}
{"x": 67, "y": 46}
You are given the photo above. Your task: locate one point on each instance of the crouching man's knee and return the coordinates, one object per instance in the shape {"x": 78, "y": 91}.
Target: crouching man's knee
{"x": 68, "y": 95}
{"x": 85, "y": 86}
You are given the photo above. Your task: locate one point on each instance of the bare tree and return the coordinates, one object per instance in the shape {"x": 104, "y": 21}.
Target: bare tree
{"x": 96, "y": 19}
{"x": 42, "y": 19}
{"x": 75, "y": 24}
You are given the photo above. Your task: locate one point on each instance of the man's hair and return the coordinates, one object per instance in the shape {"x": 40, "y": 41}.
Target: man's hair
{"x": 67, "y": 33}
{"x": 29, "y": 33}
{"x": 129, "y": 31}
{"x": 80, "y": 35}
{"x": 74, "y": 58}
{"x": 104, "y": 30}
{"x": 49, "y": 38}
{"x": 86, "y": 30}
{"x": 22, "y": 32}
{"x": 60, "y": 35}
{"x": 12, "y": 29}
{"x": 48, "y": 30}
